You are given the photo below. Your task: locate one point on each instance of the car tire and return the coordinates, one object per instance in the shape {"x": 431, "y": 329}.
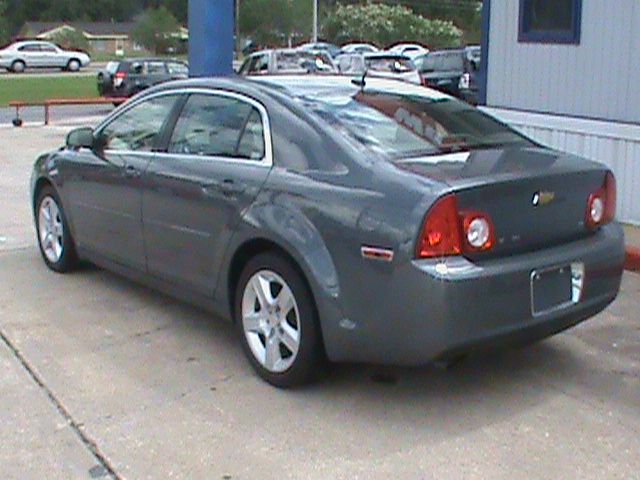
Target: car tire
{"x": 277, "y": 322}
{"x": 73, "y": 65}
{"x": 54, "y": 237}
{"x": 18, "y": 66}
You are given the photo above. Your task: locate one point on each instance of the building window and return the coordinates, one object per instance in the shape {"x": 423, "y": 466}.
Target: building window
{"x": 550, "y": 21}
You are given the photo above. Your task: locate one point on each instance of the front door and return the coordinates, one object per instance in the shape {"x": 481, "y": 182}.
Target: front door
{"x": 215, "y": 163}
{"x": 104, "y": 190}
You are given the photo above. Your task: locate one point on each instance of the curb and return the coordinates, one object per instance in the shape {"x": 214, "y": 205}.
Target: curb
{"x": 632, "y": 259}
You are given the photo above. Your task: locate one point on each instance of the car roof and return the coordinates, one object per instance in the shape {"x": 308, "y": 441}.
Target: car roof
{"x": 297, "y": 85}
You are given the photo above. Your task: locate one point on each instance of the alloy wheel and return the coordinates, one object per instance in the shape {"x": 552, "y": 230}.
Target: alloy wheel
{"x": 271, "y": 321}
{"x": 50, "y": 229}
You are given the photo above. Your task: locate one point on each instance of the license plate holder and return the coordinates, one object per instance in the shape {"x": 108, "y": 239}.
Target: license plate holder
{"x": 552, "y": 289}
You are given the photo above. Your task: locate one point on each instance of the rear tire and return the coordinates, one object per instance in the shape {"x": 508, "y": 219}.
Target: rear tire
{"x": 18, "y": 66}
{"x": 278, "y": 323}
{"x": 54, "y": 237}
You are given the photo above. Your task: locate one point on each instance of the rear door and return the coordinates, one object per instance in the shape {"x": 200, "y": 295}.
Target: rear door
{"x": 155, "y": 71}
{"x": 217, "y": 159}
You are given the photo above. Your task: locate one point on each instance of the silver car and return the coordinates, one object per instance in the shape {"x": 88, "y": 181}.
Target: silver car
{"x": 37, "y": 54}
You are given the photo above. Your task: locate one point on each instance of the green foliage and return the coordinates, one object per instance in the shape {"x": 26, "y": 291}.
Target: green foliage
{"x": 276, "y": 22}
{"x": 155, "y": 30}
{"x": 5, "y": 34}
{"x": 388, "y": 24}
{"x": 70, "y": 38}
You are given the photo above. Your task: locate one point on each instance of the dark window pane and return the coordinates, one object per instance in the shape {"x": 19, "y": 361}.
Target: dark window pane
{"x": 212, "y": 125}
{"x": 137, "y": 129}
{"x": 548, "y": 15}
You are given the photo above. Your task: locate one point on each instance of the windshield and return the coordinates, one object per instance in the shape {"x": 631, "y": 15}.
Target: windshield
{"x": 404, "y": 126}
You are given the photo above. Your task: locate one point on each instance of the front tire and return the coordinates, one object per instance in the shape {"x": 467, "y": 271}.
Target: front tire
{"x": 73, "y": 65}
{"x": 277, "y": 322}
{"x": 54, "y": 238}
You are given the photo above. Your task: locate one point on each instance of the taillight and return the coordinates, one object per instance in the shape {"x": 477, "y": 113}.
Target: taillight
{"x": 119, "y": 78}
{"x": 601, "y": 206}
{"x": 447, "y": 231}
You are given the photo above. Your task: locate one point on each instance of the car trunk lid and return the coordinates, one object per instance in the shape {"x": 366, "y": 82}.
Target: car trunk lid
{"x": 535, "y": 197}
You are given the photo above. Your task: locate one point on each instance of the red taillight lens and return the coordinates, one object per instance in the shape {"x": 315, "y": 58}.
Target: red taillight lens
{"x": 447, "y": 231}
{"x": 601, "y": 206}
{"x": 441, "y": 235}
{"x": 121, "y": 75}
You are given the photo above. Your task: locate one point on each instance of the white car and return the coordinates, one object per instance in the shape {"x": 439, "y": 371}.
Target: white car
{"x": 359, "y": 48}
{"x": 381, "y": 64}
{"x": 411, "y": 50}
{"x": 37, "y": 54}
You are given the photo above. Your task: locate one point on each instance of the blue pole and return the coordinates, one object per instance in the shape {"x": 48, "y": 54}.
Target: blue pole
{"x": 211, "y": 27}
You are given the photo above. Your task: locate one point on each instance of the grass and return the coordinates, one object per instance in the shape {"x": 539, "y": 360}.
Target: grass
{"x": 37, "y": 89}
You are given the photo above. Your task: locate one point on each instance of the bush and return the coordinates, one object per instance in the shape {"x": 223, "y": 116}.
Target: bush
{"x": 156, "y": 30}
{"x": 387, "y": 24}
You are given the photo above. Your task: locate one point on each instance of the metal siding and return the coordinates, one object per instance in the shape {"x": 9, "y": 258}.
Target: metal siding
{"x": 596, "y": 79}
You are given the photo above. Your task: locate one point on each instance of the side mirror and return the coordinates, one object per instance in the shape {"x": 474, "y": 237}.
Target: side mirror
{"x": 80, "y": 138}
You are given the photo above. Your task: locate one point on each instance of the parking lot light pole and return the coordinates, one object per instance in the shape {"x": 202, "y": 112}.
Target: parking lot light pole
{"x": 315, "y": 21}
{"x": 211, "y": 28}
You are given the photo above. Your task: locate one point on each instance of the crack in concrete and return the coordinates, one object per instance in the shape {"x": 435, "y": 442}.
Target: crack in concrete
{"x": 89, "y": 443}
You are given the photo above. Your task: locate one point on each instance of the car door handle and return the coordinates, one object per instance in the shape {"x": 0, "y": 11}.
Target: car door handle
{"x": 227, "y": 187}
{"x": 131, "y": 172}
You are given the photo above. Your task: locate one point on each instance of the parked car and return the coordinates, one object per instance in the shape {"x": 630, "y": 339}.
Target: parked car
{"x": 287, "y": 60}
{"x": 451, "y": 71}
{"x": 128, "y": 77}
{"x": 381, "y": 64}
{"x": 19, "y": 56}
{"x": 378, "y": 222}
{"x": 410, "y": 50}
{"x": 359, "y": 48}
{"x": 329, "y": 48}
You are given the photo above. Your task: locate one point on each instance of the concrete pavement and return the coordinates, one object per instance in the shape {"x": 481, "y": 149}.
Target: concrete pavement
{"x": 104, "y": 378}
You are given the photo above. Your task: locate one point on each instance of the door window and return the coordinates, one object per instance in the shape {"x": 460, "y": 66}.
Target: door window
{"x": 176, "y": 68}
{"x": 156, "y": 68}
{"x": 31, "y": 47}
{"x": 138, "y": 128}
{"x": 217, "y": 125}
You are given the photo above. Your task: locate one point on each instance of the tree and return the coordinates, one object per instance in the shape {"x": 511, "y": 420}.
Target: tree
{"x": 71, "y": 38}
{"x": 276, "y": 22}
{"x": 388, "y": 24}
{"x": 5, "y": 34}
{"x": 156, "y": 30}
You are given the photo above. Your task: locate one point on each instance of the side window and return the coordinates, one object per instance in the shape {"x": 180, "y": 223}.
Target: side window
{"x": 259, "y": 63}
{"x": 155, "y": 68}
{"x": 137, "y": 129}
{"x": 47, "y": 48}
{"x": 216, "y": 125}
{"x": 30, "y": 47}
{"x": 176, "y": 68}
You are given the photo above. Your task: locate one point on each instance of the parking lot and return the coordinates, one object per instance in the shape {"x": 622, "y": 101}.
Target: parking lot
{"x": 105, "y": 378}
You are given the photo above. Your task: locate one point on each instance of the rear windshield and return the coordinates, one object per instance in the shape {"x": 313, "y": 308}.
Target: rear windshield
{"x": 112, "y": 67}
{"x": 405, "y": 126}
{"x": 389, "y": 64}
{"x": 442, "y": 62}
{"x": 301, "y": 61}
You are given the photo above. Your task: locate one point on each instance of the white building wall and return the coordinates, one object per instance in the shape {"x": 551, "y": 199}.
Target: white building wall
{"x": 599, "y": 78}
{"x": 614, "y": 144}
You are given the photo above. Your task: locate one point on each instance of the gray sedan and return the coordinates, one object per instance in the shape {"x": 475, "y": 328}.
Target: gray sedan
{"x": 37, "y": 54}
{"x": 364, "y": 220}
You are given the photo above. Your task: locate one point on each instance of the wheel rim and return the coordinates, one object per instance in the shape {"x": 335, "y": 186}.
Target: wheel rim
{"x": 18, "y": 67}
{"x": 74, "y": 65}
{"x": 271, "y": 321}
{"x": 51, "y": 231}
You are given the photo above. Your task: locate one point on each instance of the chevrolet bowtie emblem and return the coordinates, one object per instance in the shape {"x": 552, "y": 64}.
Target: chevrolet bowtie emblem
{"x": 542, "y": 198}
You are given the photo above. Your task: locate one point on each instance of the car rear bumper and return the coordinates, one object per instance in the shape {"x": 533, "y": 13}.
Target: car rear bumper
{"x": 439, "y": 308}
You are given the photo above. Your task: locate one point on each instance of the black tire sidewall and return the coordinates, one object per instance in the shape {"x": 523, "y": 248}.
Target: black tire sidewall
{"x": 309, "y": 361}
{"x": 68, "y": 260}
